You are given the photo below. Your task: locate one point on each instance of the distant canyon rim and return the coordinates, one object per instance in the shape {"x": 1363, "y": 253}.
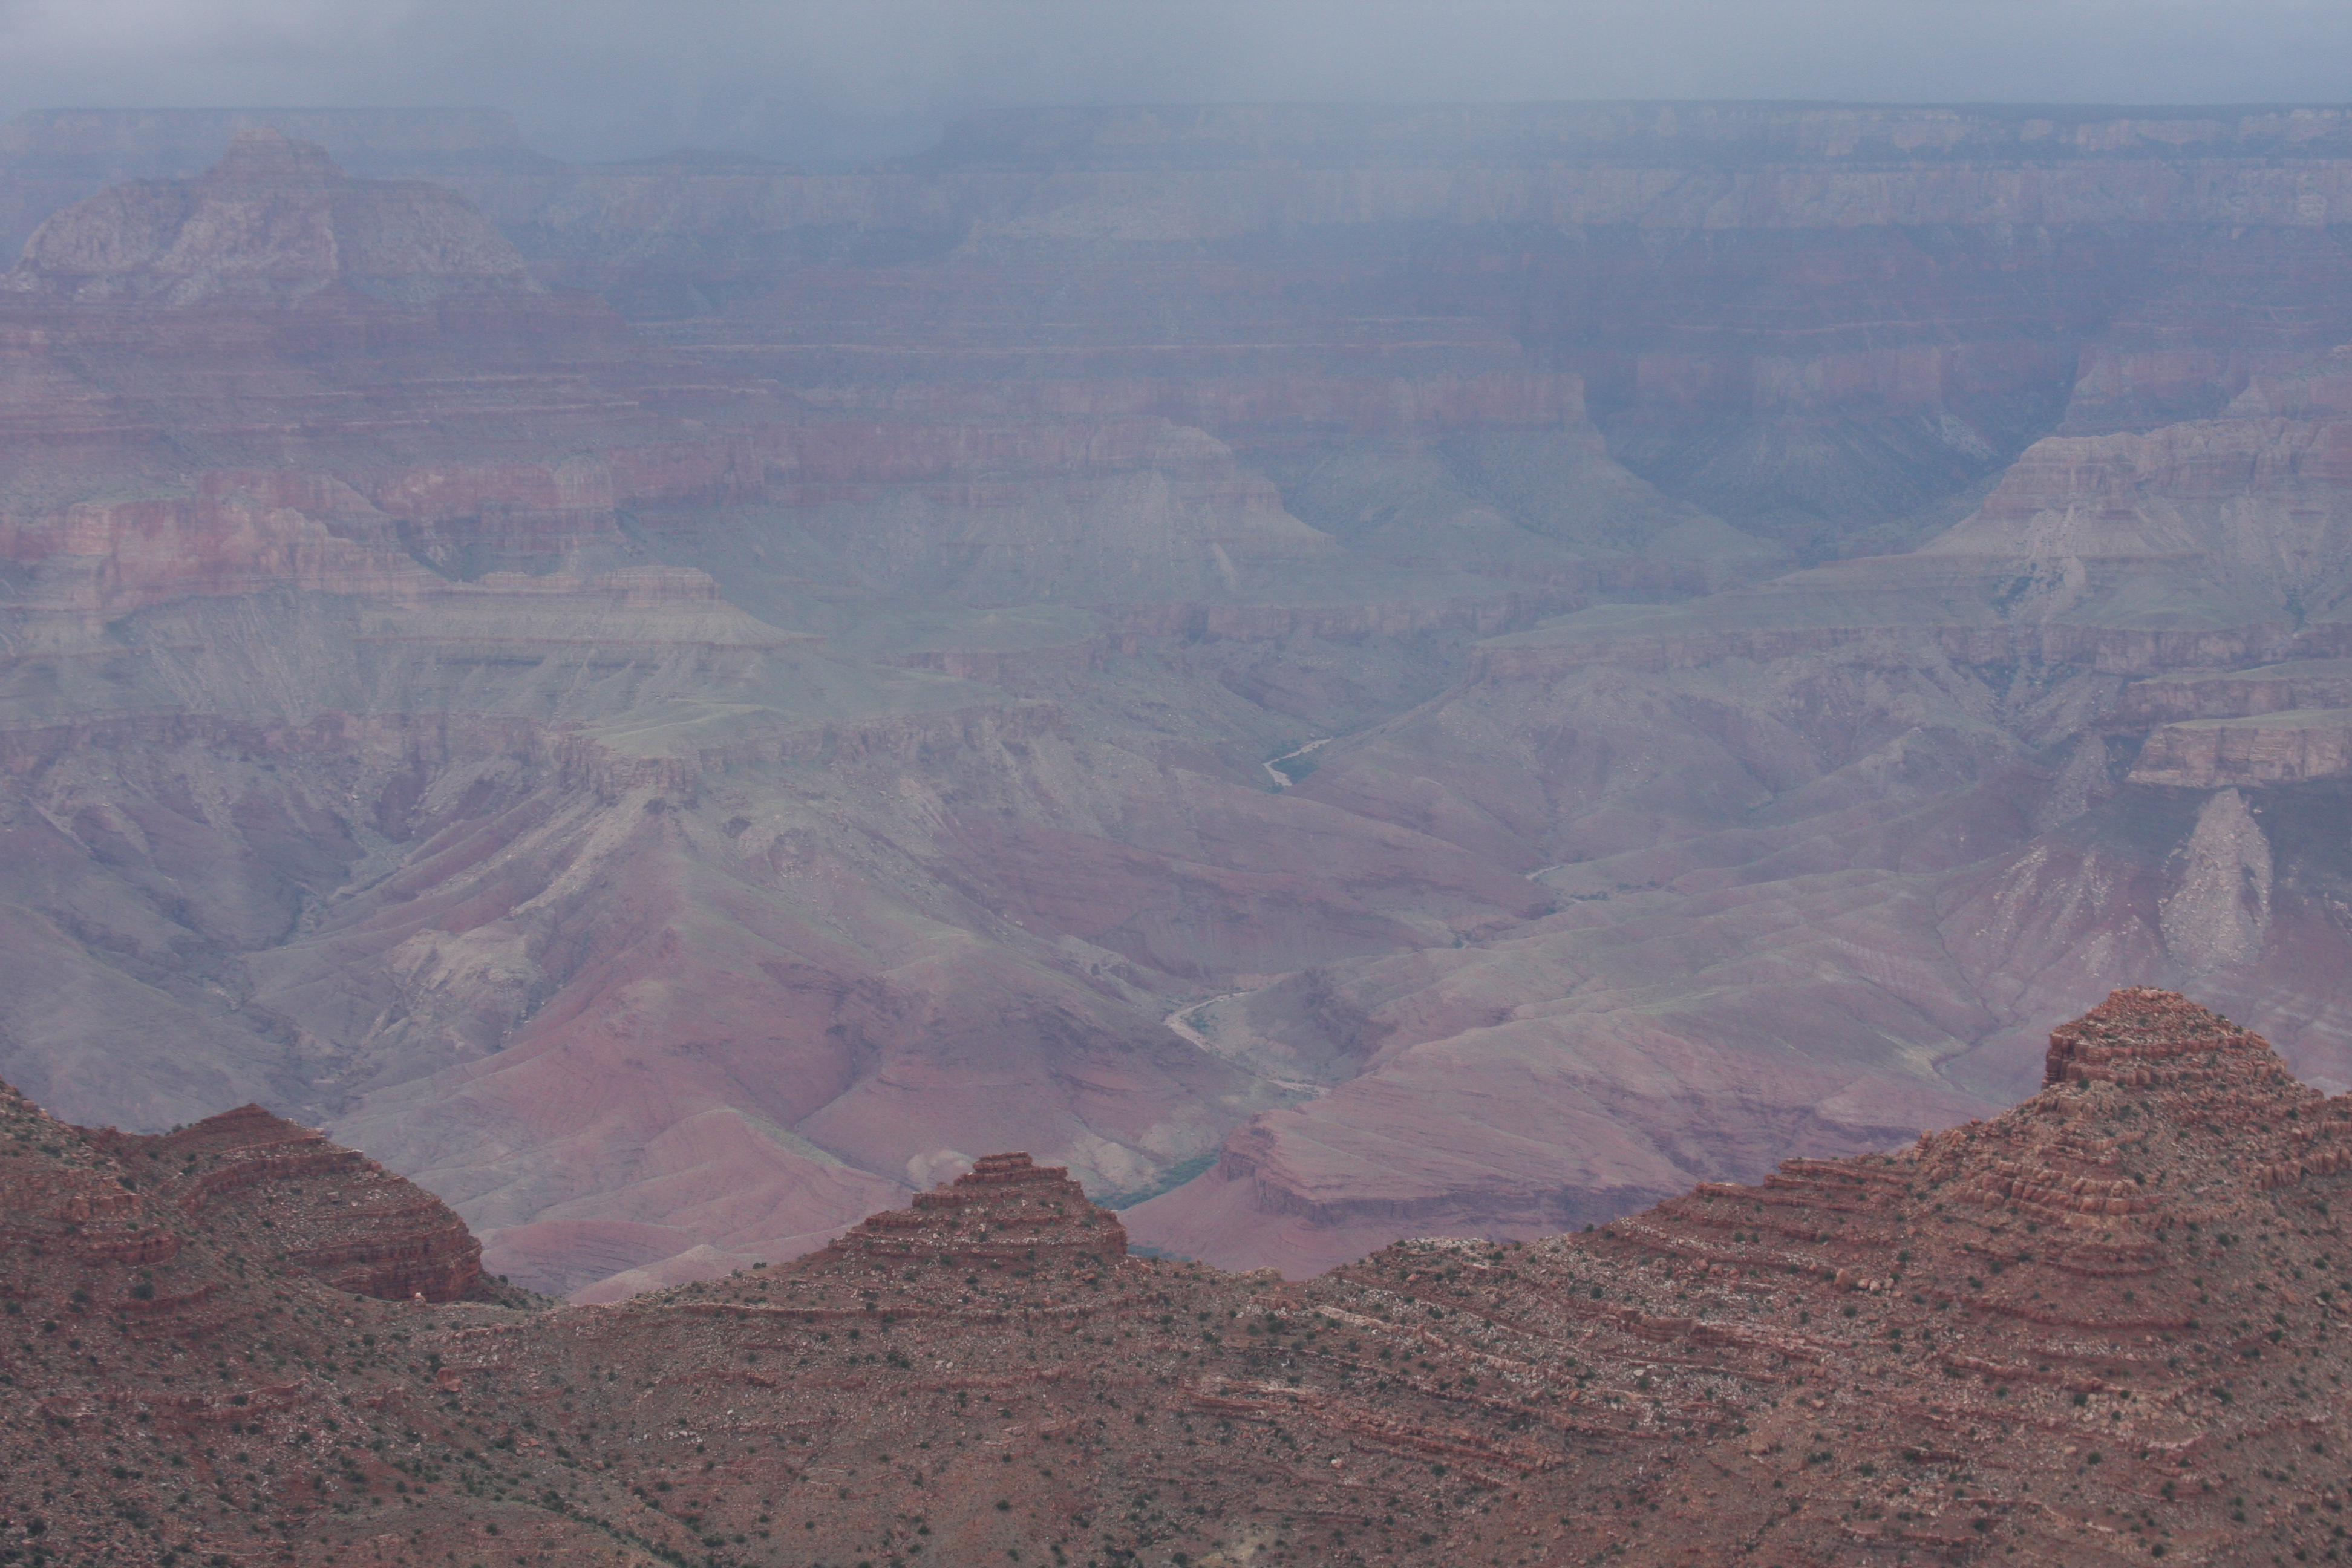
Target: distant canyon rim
{"x": 1343, "y": 674}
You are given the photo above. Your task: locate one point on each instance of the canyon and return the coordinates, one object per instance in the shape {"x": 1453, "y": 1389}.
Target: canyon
{"x": 1339, "y": 675}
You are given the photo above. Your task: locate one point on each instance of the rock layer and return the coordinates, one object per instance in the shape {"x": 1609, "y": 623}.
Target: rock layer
{"x": 1258, "y": 653}
{"x": 361, "y": 1229}
{"x": 2096, "y": 1328}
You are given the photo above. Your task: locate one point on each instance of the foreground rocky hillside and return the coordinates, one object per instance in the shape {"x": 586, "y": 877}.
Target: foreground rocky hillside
{"x": 1337, "y": 674}
{"x": 2101, "y": 1326}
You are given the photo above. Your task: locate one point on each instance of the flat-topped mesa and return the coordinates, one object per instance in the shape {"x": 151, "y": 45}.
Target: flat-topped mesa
{"x": 262, "y": 155}
{"x": 2141, "y": 1037}
{"x": 1007, "y": 1213}
{"x": 1012, "y": 1167}
{"x": 274, "y": 223}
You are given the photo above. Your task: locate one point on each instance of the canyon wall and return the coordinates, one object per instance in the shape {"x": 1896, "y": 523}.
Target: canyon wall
{"x": 1339, "y": 675}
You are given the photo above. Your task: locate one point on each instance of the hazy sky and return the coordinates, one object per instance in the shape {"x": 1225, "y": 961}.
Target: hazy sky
{"x": 618, "y": 78}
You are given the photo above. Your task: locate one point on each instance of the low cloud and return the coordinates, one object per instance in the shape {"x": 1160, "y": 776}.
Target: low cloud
{"x": 831, "y": 82}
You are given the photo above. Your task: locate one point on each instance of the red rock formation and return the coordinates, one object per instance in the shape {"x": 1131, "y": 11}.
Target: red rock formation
{"x": 2297, "y": 746}
{"x": 2097, "y": 1325}
{"x": 246, "y": 1176}
{"x": 1006, "y": 1219}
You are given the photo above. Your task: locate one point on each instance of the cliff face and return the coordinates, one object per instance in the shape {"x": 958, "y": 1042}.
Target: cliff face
{"x": 1815, "y": 321}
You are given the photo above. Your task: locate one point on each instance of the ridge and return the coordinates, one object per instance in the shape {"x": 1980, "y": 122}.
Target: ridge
{"x": 2103, "y": 1327}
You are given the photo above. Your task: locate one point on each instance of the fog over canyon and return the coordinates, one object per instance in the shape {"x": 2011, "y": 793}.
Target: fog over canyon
{"x": 1343, "y": 674}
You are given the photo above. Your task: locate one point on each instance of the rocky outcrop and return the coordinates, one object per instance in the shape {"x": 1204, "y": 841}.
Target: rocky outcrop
{"x": 244, "y": 1179}
{"x": 1007, "y": 1219}
{"x": 251, "y": 1178}
{"x": 2080, "y": 1329}
{"x": 2295, "y": 745}
{"x": 2233, "y": 694}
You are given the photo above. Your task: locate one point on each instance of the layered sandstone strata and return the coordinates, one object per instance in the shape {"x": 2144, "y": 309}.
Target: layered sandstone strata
{"x": 1039, "y": 647}
{"x": 322, "y": 1209}
{"x": 244, "y": 1179}
{"x": 2096, "y": 1328}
